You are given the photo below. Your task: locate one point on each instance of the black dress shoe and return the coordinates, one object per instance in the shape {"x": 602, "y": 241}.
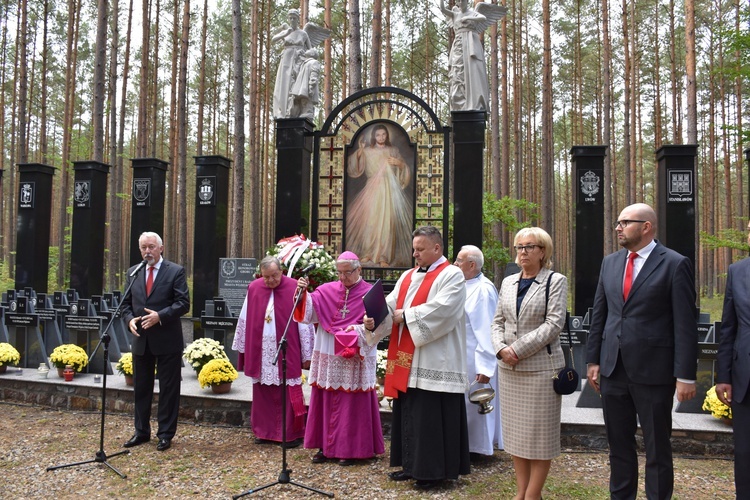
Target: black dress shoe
{"x": 346, "y": 462}
{"x": 426, "y": 484}
{"x": 293, "y": 444}
{"x": 164, "y": 444}
{"x": 136, "y": 440}
{"x": 399, "y": 475}
{"x": 319, "y": 458}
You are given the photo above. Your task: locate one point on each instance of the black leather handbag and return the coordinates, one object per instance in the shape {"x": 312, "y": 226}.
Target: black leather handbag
{"x": 567, "y": 380}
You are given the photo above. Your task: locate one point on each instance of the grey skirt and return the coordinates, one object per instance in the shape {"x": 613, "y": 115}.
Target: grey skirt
{"x": 530, "y": 414}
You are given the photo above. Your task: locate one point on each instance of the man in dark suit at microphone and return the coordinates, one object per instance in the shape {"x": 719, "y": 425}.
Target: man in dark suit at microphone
{"x": 152, "y": 310}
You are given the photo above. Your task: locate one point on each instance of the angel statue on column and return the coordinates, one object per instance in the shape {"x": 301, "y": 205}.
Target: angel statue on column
{"x": 467, "y": 70}
{"x": 296, "y": 43}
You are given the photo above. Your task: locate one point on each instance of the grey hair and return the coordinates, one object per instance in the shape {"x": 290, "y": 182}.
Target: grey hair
{"x": 475, "y": 255}
{"x": 151, "y": 234}
{"x": 266, "y": 262}
{"x": 355, "y": 263}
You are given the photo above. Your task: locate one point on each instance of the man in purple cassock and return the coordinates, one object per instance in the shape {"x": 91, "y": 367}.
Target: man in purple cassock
{"x": 344, "y": 414}
{"x": 261, "y": 324}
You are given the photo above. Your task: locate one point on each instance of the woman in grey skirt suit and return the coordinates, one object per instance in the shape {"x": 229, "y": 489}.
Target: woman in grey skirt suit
{"x": 525, "y": 324}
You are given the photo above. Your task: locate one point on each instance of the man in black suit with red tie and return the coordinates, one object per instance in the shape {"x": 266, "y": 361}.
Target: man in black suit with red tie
{"x": 733, "y": 380}
{"x": 158, "y": 298}
{"x": 643, "y": 343}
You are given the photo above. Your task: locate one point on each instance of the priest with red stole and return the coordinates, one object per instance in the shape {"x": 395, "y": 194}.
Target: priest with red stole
{"x": 261, "y": 324}
{"x": 426, "y": 370}
{"x": 343, "y": 420}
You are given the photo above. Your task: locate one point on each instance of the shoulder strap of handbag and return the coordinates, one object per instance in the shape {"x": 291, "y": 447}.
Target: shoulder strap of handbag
{"x": 566, "y": 326}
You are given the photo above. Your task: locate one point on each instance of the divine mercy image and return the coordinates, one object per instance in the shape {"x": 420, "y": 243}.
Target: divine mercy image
{"x": 380, "y": 196}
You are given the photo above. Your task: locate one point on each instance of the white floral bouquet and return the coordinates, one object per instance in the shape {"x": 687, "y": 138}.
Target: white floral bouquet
{"x": 382, "y": 362}
{"x": 217, "y": 371}
{"x": 201, "y": 351}
{"x": 298, "y": 252}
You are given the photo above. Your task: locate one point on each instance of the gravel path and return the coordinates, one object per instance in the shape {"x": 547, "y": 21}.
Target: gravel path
{"x": 218, "y": 462}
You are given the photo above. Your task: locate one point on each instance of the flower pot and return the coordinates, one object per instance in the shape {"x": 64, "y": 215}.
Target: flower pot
{"x": 727, "y": 421}
{"x": 3, "y": 369}
{"x": 129, "y": 380}
{"x": 222, "y": 388}
{"x": 60, "y": 372}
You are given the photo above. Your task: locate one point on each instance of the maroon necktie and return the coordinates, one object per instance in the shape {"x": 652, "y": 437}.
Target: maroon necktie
{"x": 149, "y": 280}
{"x": 628, "y": 276}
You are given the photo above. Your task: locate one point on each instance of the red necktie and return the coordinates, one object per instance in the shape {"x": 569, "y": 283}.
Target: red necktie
{"x": 628, "y": 276}
{"x": 149, "y": 280}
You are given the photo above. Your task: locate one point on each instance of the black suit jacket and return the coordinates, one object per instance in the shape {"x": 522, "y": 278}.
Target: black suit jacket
{"x": 734, "y": 342}
{"x": 655, "y": 330}
{"x": 169, "y": 297}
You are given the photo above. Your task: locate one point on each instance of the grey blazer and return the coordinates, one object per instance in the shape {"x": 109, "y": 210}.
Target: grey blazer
{"x": 529, "y": 331}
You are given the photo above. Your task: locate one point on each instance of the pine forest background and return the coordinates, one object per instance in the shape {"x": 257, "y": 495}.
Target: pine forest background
{"x": 111, "y": 80}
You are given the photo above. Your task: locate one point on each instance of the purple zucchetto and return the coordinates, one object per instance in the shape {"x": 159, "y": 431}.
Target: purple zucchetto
{"x": 348, "y": 256}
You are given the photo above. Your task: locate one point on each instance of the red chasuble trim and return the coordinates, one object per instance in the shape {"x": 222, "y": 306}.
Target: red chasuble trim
{"x": 401, "y": 351}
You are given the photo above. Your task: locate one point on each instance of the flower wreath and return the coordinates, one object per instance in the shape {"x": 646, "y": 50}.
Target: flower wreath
{"x": 297, "y": 252}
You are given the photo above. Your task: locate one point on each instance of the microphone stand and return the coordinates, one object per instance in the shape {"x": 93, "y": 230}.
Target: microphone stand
{"x": 101, "y": 457}
{"x": 285, "y": 474}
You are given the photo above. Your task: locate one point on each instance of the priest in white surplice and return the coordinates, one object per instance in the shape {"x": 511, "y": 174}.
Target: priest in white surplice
{"x": 485, "y": 431}
{"x": 426, "y": 370}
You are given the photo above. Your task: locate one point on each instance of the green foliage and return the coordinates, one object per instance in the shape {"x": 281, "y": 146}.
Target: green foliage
{"x": 514, "y": 215}
{"x": 6, "y": 282}
{"x": 726, "y": 238}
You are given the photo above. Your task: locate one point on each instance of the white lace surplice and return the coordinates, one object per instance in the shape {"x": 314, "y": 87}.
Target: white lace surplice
{"x": 329, "y": 371}
{"x": 269, "y": 373}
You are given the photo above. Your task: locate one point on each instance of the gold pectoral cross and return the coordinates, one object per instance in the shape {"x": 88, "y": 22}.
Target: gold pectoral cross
{"x": 268, "y": 318}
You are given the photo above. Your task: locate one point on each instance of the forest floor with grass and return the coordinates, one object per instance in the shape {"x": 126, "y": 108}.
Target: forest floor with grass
{"x": 220, "y": 461}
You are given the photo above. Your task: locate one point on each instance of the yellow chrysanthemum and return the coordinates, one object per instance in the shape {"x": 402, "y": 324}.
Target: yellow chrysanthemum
{"x": 217, "y": 371}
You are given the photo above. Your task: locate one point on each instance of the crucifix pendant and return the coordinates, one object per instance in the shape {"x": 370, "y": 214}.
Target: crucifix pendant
{"x": 344, "y": 311}
{"x": 268, "y": 318}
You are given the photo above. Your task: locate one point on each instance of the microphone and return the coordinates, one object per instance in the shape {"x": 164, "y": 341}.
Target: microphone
{"x": 309, "y": 268}
{"x": 138, "y": 268}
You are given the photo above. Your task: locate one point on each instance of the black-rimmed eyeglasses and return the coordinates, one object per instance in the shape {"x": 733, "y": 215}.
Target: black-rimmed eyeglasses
{"x": 526, "y": 248}
{"x": 624, "y": 222}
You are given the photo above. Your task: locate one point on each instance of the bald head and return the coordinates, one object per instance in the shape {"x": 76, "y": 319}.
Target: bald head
{"x": 636, "y": 226}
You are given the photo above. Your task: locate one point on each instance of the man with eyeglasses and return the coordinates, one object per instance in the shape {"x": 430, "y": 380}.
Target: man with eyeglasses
{"x": 485, "y": 430}
{"x": 343, "y": 420}
{"x": 642, "y": 346}
{"x": 264, "y": 315}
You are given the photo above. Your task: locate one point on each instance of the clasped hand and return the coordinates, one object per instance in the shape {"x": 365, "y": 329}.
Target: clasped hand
{"x": 148, "y": 320}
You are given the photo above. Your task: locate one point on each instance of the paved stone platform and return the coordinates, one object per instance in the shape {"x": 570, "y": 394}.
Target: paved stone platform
{"x": 693, "y": 434}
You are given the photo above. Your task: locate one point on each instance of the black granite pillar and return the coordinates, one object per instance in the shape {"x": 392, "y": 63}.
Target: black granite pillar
{"x": 149, "y": 187}
{"x": 588, "y": 172}
{"x": 211, "y": 225}
{"x": 294, "y": 145}
{"x": 33, "y": 225}
{"x": 89, "y": 217}
{"x": 468, "y": 163}
{"x": 676, "y": 198}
